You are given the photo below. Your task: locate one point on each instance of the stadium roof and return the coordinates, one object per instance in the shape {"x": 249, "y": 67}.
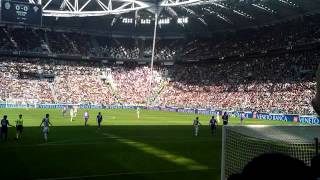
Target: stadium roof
{"x": 201, "y": 15}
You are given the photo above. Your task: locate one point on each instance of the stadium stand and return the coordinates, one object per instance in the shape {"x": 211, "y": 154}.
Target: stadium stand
{"x": 293, "y": 33}
{"x": 267, "y": 84}
{"x": 261, "y": 85}
{"x": 265, "y": 69}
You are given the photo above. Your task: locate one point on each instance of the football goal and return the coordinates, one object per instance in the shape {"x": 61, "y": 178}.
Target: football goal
{"x": 240, "y": 144}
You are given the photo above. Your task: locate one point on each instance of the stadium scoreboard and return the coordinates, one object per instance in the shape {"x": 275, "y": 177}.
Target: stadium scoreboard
{"x": 21, "y": 12}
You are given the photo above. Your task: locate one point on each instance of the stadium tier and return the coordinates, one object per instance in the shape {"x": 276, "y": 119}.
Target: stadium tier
{"x": 281, "y": 84}
{"x": 295, "y": 34}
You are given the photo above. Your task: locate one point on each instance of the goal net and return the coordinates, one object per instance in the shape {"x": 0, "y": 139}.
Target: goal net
{"x": 240, "y": 144}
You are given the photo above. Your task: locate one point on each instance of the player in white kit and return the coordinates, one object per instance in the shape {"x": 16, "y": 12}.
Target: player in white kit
{"x": 138, "y": 112}
{"x": 86, "y": 117}
{"x": 196, "y": 125}
{"x": 75, "y": 111}
{"x": 71, "y": 114}
{"x": 45, "y": 127}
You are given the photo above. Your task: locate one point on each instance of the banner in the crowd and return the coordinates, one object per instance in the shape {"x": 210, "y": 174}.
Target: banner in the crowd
{"x": 171, "y": 109}
{"x": 265, "y": 116}
{"x": 247, "y": 114}
{"x": 309, "y": 120}
{"x": 186, "y": 110}
{"x": 206, "y": 112}
{"x": 276, "y": 117}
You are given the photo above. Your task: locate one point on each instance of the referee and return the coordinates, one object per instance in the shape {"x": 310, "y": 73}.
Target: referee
{"x": 99, "y": 119}
{"x": 19, "y": 127}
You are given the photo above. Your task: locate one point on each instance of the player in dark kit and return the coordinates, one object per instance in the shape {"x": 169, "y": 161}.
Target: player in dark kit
{"x": 64, "y": 111}
{"x": 242, "y": 116}
{"x": 225, "y": 118}
{"x": 213, "y": 125}
{"x": 4, "y": 127}
{"x": 99, "y": 119}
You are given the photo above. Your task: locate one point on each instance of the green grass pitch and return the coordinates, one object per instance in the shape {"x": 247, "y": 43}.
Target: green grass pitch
{"x": 159, "y": 145}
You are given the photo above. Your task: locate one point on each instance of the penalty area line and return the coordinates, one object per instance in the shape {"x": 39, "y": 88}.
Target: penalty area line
{"x": 124, "y": 173}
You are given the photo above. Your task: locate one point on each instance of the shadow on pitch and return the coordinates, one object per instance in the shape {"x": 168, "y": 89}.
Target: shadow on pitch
{"x": 115, "y": 152}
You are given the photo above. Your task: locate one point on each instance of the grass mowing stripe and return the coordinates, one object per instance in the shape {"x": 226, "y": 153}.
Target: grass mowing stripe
{"x": 176, "y": 159}
{"x": 125, "y": 173}
{"x": 72, "y": 143}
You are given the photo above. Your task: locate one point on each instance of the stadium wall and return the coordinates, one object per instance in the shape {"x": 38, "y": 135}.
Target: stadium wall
{"x": 304, "y": 119}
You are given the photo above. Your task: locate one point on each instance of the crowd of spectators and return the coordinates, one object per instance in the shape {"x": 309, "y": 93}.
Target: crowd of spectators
{"x": 282, "y": 35}
{"x": 35, "y": 81}
{"x": 286, "y": 35}
{"x": 267, "y": 82}
{"x": 19, "y": 84}
{"x": 274, "y": 84}
{"x": 133, "y": 83}
{"x": 279, "y": 84}
{"x": 81, "y": 84}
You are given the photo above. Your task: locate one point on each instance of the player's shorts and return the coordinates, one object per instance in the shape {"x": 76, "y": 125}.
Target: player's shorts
{"x": 19, "y": 128}
{"x": 4, "y": 130}
{"x": 225, "y": 122}
{"x": 86, "y": 119}
{"x": 45, "y": 130}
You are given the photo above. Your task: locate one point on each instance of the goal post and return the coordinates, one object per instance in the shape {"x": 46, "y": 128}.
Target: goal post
{"x": 240, "y": 144}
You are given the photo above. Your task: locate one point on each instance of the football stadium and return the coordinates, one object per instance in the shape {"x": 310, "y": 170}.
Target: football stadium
{"x": 159, "y": 89}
